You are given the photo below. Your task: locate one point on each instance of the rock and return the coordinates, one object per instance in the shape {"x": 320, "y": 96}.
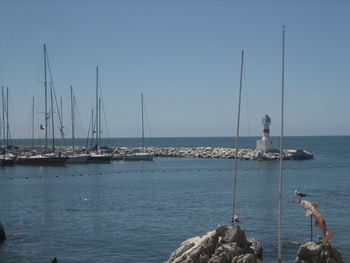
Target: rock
{"x": 2, "y": 233}
{"x": 225, "y": 244}
{"x": 311, "y": 252}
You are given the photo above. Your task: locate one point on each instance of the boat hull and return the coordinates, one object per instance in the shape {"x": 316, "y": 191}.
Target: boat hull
{"x": 41, "y": 161}
{"x": 99, "y": 159}
{"x": 77, "y": 159}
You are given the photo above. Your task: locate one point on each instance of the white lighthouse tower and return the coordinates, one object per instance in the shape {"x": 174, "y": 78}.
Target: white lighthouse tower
{"x": 266, "y": 144}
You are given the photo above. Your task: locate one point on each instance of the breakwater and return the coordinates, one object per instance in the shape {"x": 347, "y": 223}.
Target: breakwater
{"x": 215, "y": 153}
{"x": 179, "y": 152}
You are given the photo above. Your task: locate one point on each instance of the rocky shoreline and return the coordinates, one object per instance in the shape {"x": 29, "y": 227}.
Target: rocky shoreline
{"x": 228, "y": 244}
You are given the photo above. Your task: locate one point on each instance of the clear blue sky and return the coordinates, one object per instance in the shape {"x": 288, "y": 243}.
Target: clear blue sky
{"x": 184, "y": 55}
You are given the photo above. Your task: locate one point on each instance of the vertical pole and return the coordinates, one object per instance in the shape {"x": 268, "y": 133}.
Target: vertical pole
{"x": 237, "y": 141}
{"x": 143, "y": 133}
{"x": 311, "y": 228}
{"x": 96, "y": 122}
{"x": 281, "y": 160}
{"x": 45, "y": 87}
{"x": 33, "y": 122}
{"x": 52, "y": 120}
{"x": 72, "y": 114}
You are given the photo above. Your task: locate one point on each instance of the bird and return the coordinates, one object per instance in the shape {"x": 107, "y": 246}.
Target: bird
{"x": 300, "y": 195}
{"x": 235, "y": 219}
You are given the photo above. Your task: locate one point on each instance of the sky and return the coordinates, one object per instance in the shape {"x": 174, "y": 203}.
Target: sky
{"x": 184, "y": 56}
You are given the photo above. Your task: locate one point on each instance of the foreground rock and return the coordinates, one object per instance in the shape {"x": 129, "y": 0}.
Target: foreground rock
{"x": 311, "y": 252}
{"x": 226, "y": 244}
{"x": 2, "y": 234}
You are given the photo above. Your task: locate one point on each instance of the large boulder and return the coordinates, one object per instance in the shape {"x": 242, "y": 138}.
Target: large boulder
{"x": 225, "y": 244}
{"x": 2, "y": 233}
{"x": 311, "y": 252}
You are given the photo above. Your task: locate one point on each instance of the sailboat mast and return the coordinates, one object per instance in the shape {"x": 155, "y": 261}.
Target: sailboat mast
{"x": 61, "y": 112}
{"x": 143, "y": 132}
{"x": 3, "y": 116}
{"x": 7, "y": 117}
{"x": 237, "y": 141}
{"x": 33, "y": 122}
{"x": 72, "y": 113}
{"x": 281, "y": 159}
{"x": 45, "y": 88}
{"x": 96, "y": 122}
{"x": 52, "y": 119}
{"x": 99, "y": 119}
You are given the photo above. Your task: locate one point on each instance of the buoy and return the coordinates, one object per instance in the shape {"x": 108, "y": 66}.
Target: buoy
{"x": 2, "y": 233}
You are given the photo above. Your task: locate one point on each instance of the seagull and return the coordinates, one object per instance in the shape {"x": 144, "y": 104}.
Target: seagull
{"x": 300, "y": 195}
{"x": 235, "y": 219}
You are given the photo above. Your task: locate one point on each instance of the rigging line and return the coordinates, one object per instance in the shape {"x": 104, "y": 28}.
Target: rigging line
{"x": 147, "y": 119}
{"x": 80, "y": 127}
{"x": 103, "y": 107}
{"x": 246, "y": 97}
{"x": 54, "y": 92}
{"x": 88, "y": 133}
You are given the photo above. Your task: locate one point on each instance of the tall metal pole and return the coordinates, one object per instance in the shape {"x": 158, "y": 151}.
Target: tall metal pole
{"x": 72, "y": 113}
{"x": 143, "y": 133}
{"x": 96, "y": 122}
{"x": 45, "y": 87}
{"x": 52, "y": 119}
{"x": 281, "y": 160}
{"x": 237, "y": 141}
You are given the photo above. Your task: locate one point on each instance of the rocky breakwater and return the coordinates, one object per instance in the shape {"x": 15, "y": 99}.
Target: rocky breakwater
{"x": 225, "y": 244}
{"x": 215, "y": 152}
{"x": 312, "y": 252}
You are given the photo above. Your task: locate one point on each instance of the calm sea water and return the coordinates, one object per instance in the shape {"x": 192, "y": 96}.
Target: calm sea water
{"x": 142, "y": 211}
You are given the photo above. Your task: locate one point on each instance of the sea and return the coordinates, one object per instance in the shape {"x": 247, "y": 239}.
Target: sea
{"x": 141, "y": 211}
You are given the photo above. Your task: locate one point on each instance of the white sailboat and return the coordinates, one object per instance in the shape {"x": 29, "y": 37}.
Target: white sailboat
{"x": 75, "y": 158}
{"x": 97, "y": 156}
{"x": 46, "y": 158}
{"x": 140, "y": 156}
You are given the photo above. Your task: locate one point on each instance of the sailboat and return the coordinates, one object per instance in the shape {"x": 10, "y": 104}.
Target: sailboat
{"x": 140, "y": 156}
{"x": 75, "y": 157}
{"x": 6, "y": 158}
{"x": 97, "y": 156}
{"x": 46, "y": 158}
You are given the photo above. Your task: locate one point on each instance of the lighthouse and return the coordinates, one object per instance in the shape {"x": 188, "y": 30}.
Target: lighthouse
{"x": 266, "y": 144}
